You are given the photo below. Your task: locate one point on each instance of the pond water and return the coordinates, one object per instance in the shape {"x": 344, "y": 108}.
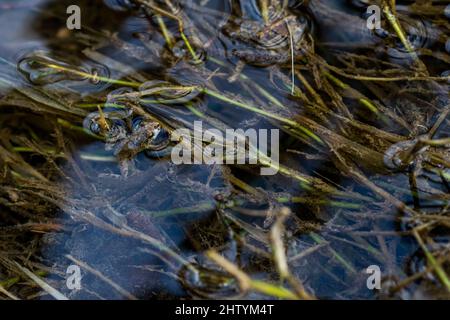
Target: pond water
{"x": 88, "y": 125}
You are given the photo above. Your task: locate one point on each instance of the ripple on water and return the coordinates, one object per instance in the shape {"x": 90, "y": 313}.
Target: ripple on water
{"x": 160, "y": 137}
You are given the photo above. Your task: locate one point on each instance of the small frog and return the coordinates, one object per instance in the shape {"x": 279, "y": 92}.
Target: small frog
{"x": 127, "y": 136}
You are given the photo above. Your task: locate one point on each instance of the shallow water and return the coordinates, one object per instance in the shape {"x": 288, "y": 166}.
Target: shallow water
{"x": 128, "y": 212}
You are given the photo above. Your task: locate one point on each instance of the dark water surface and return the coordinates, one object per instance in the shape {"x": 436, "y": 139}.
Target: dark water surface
{"x": 361, "y": 188}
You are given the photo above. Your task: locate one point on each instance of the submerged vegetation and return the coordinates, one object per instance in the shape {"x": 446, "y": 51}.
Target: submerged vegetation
{"x": 87, "y": 118}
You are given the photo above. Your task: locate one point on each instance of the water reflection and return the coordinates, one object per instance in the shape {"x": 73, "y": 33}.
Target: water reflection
{"x": 126, "y": 211}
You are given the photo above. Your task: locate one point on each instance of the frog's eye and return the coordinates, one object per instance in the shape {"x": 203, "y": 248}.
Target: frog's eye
{"x": 120, "y": 5}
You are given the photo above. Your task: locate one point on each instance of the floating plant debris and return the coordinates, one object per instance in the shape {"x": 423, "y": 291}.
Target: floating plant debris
{"x": 40, "y": 69}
